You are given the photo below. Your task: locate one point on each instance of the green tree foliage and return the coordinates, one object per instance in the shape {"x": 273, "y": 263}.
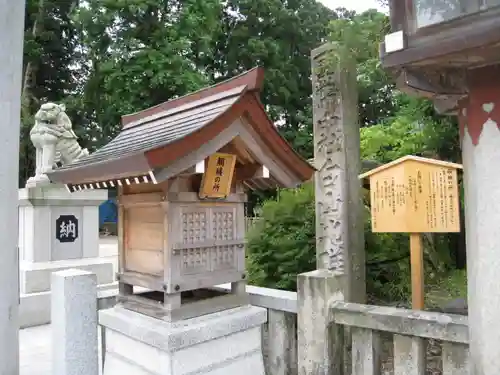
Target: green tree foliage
{"x": 415, "y": 129}
{"x": 139, "y": 53}
{"x": 107, "y": 58}
{"x": 273, "y": 259}
{"x": 282, "y": 242}
{"x": 279, "y": 36}
{"x": 357, "y": 37}
{"x": 49, "y": 53}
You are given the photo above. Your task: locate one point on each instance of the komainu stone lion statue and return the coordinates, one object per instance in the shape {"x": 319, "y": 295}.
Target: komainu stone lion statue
{"x": 54, "y": 141}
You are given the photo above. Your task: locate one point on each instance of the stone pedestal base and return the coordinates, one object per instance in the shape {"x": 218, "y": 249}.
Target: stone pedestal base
{"x": 58, "y": 230}
{"x": 222, "y": 343}
{"x": 35, "y": 293}
{"x": 44, "y": 210}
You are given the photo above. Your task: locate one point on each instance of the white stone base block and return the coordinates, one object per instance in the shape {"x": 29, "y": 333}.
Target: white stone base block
{"x": 34, "y": 308}
{"x": 45, "y": 248}
{"x": 222, "y": 343}
{"x": 35, "y": 279}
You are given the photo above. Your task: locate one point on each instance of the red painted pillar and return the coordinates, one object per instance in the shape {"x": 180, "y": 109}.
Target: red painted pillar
{"x": 483, "y": 102}
{"x": 480, "y": 136}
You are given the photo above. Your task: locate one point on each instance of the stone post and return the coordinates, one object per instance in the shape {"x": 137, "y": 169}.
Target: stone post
{"x": 320, "y": 346}
{"x": 479, "y": 118}
{"x": 339, "y": 204}
{"x": 339, "y": 210}
{"x": 74, "y": 323}
{"x": 281, "y": 348}
{"x": 11, "y": 62}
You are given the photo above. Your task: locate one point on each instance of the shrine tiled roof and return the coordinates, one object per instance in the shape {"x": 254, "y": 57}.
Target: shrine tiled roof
{"x": 163, "y": 128}
{"x": 153, "y": 142}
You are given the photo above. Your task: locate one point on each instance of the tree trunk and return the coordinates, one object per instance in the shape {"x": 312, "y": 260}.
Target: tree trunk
{"x": 30, "y": 69}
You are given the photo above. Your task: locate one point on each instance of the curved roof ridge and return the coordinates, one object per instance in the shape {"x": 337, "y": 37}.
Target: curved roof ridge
{"x": 253, "y": 79}
{"x": 219, "y": 97}
{"x": 160, "y": 131}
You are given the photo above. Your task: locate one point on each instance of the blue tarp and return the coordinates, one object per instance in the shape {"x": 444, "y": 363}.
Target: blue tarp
{"x": 108, "y": 212}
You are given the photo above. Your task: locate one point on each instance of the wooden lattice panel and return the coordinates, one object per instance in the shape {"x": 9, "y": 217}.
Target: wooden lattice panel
{"x": 194, "y": 226}
{"x": 195, "y": 261}
{"x": 223, "y": 226}
{"x": 223, "y": 257}
{"x": 204, "y": 233}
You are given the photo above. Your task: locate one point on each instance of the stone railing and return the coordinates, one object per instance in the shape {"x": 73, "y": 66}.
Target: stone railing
{"x": 75, "y": 300}
{"x": 279, "y": 335}
{"x": 411, "y": 332}
{"x": 382, "y": 340}
{"x": 250, "y": 222}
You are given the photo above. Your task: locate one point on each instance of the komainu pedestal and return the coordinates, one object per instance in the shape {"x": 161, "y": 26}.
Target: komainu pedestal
{"x": 57, "y": 230}
{"x": 222, "y": 343}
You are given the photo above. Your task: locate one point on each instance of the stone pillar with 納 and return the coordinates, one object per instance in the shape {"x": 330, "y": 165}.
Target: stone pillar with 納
{"x": 479, "y": 118}
{"x": 57, "y": 229}
{"x": 183, "y": 169}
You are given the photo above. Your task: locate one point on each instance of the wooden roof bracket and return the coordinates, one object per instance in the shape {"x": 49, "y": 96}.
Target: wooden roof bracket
{"x": 196, "y": 156}
{"x": 439, "y": 82}
{"x": 445, "y": 87}
{"x": 270, "y": 167}
{"x": 275, "y": 167}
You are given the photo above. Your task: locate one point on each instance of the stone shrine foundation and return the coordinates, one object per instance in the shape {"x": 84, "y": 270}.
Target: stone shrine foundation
{"x": 222, "y": 343}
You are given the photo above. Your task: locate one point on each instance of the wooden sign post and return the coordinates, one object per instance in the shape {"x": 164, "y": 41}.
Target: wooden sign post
{"x": 415, "y": 195}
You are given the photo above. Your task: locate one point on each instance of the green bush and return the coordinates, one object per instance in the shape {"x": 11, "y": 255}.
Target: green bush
{"x": 281, "y": 244}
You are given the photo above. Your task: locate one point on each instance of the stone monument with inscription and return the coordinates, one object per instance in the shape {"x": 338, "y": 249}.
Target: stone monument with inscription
{"x": 340, "y": 273}
{"x": 57, "y": 229}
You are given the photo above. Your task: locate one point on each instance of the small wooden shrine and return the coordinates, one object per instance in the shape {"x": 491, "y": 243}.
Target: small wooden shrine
{"x": 434, "y": 44}
{"x": 182, "y": 170}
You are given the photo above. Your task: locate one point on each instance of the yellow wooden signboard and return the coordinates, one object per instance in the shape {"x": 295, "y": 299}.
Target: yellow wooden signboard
{"x": 218, "y": 176}
{"x": 415, "y": 195}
